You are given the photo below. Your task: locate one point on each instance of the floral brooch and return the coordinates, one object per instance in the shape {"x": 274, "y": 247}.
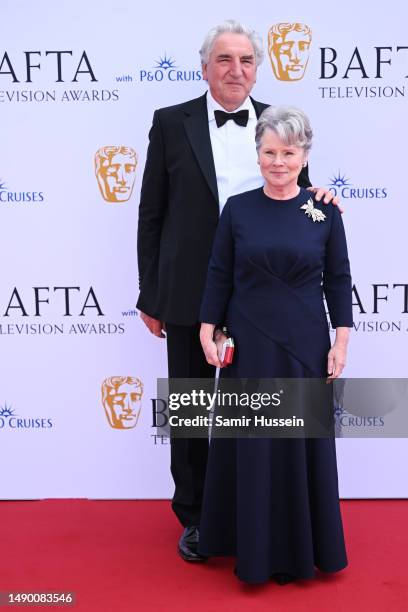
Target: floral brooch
{"x": 313, "y": 213}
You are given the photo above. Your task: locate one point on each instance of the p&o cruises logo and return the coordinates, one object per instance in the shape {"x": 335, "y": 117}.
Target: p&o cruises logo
{"x": 340, "y": 185}
{"x": 344, "y": 420}
{"x": 10, "y": 420}
{"x": 166, "y": 69}
{"x": 9, "y": 196}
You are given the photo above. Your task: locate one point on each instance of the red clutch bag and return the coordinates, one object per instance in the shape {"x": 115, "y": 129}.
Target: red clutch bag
{"x": 225, "y": 350}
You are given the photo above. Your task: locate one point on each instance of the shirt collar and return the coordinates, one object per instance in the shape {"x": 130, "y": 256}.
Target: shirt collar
{"x": 213, "y": 105}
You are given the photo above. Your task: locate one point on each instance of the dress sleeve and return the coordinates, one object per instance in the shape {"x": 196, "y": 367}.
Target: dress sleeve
{"x": 336, "y": 275}
{"x": 220, "y": 273}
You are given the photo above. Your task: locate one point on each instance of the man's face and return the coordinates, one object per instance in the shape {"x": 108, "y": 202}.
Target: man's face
{"x": 290, "y": 56}
{"x": 231, "y": 70}
{"x": 122, "y": 406}
{"x": 116, "y": 177}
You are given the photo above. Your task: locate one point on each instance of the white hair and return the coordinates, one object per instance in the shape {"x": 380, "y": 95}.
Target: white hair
{"x": 289, "y": 123}
{"x": 233, "y": 27}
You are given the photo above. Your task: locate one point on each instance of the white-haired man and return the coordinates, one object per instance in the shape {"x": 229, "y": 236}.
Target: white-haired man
{"x": 200, "y": 153}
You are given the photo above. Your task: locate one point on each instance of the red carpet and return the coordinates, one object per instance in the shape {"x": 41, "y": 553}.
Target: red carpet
{"x": 120, "y": 556}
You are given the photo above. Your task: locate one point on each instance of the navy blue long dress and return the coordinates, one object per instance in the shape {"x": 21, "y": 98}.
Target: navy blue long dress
{"x": 273, "y": 503}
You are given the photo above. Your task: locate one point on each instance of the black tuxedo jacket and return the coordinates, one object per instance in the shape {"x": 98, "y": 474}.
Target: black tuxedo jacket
{"x": 179, "y": 212}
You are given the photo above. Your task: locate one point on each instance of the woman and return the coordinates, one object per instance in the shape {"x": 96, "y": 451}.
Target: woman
{"x": 273, "y": 503}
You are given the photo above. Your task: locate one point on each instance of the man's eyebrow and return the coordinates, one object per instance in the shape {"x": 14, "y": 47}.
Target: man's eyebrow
{"x": 228, "y": 56}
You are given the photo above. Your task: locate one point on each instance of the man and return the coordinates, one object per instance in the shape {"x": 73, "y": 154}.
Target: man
{"x": 198, "y": 156}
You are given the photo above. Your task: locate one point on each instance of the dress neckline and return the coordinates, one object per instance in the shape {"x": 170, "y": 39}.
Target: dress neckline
{"x": 300, "y": 197}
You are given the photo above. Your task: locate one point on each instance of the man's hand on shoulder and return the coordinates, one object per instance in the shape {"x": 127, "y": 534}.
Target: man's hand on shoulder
{"x": 154, "y": 326}
{"x": 327, "y": 195}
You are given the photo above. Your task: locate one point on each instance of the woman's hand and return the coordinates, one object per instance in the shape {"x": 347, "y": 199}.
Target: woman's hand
{"x": 208, "y": 344}
{"x": 336, "y": 359}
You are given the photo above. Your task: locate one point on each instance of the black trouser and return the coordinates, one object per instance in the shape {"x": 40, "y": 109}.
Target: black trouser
{"x": 188, "y": 456}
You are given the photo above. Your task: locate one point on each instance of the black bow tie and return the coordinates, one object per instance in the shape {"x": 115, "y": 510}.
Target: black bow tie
{"x": 240, "y": 118}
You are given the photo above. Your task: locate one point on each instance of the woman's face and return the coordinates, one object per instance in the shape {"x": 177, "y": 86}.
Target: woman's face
{"x": 280, "y": 164}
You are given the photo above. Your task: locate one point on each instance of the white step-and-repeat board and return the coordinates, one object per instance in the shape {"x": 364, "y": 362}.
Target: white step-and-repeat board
{"x": 79, "y": 82}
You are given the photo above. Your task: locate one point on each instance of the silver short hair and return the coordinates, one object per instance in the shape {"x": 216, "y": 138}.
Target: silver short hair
{"x": 233, "y": 27}
{"x": 289, "y": 123}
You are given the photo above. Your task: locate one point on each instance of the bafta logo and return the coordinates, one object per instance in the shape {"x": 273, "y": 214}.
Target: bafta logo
{"x": 288, "y": 48}
{"x": 115, "y": 169}
{"x": 121, "y": 398}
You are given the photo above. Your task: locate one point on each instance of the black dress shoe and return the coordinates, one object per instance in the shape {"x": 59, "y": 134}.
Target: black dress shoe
{"x": 188, "y": 545}
{"x": 283, "y": 579}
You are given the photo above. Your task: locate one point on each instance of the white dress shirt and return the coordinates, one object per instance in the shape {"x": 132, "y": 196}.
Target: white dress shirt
{"x": 234, "y": 152}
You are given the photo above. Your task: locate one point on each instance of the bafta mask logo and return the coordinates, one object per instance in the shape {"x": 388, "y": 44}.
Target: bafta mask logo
{"x": 115, "y": 169}
{"x": 288, "y": 48}
{"x": 121, "y": 398}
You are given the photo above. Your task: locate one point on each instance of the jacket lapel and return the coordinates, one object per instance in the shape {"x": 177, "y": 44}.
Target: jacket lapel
{"x": 259, "y": 107}
{"x": 198, "y": 133}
